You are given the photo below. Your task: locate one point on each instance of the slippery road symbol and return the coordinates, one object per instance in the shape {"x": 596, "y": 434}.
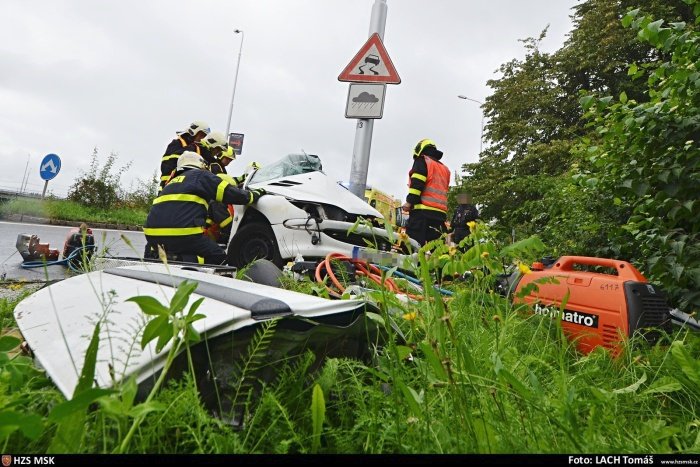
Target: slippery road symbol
{"x": 373, "y": 60}
{"x": 364, "y": 100}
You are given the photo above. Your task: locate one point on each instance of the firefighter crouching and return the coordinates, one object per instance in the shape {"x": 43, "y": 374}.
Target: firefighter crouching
{"x": 178, "y": 216}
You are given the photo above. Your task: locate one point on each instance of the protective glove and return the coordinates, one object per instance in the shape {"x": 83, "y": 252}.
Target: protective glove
{"x": 240, "y": 179}
{"x": 212, "y": 231}
{"x": 257, "y": 193}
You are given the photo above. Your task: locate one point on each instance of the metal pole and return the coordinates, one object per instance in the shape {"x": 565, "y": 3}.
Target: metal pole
{"x": 235, "y": 81}
{"x": 481, "y": 138}
{"x": 365, "y": 127}
{"x": 25, "y": 178}
{"x": 43, "y": 193}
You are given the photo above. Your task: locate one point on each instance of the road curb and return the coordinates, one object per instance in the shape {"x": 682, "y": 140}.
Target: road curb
{"x": 47, "y": 221}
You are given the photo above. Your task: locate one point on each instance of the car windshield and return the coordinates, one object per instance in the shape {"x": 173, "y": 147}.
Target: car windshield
{"x": 291, "y": 164}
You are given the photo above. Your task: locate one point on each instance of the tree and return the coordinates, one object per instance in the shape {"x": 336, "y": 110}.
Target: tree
{"x": 523, "y": 179}
{"x": 648, "y": 158}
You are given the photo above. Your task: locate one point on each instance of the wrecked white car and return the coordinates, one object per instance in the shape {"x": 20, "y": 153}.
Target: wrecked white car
{"x": 306, "y": 213}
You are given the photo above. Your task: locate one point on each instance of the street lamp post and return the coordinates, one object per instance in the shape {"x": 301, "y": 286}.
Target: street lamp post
{"x": 481, "y": 139}
{"x": 235, "y": 81}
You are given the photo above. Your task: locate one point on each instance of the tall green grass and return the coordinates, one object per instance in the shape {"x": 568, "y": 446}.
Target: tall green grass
{"x": 466, "y": 374}
{"x": 56, "y": 209}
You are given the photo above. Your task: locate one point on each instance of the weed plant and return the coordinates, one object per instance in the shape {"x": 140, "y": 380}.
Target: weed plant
{"x": 462, "y": 373}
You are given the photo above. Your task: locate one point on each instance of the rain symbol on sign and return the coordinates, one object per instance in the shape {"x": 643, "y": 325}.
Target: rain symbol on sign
{"x": 364, "y": 100}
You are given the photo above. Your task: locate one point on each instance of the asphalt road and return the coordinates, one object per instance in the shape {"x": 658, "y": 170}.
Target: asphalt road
{"x": 109, "y": 242}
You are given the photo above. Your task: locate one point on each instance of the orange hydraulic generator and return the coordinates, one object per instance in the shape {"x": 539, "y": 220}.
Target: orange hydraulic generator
{"x": 596, "y": 308}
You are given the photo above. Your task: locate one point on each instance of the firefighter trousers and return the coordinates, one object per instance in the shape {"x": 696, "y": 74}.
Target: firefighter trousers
{"x": 197, "y": 245}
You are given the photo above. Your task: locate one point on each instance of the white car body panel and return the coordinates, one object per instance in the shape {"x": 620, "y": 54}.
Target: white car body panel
{"x": 58, "y": 321}
{"x": 296, "y": 233}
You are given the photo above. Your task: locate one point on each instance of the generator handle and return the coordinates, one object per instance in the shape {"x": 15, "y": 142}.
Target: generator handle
{"x": 624, "y": 269}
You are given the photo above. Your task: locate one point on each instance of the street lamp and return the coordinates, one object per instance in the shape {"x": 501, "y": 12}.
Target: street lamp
{"x": 235, "y": 81}
{"x": 481, "y": 139}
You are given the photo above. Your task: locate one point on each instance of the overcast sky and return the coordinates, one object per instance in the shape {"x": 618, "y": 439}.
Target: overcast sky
{"x": 124, "y": 75}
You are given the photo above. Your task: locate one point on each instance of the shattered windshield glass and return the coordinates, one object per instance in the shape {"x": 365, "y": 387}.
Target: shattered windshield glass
{"x": 291, "y": 164}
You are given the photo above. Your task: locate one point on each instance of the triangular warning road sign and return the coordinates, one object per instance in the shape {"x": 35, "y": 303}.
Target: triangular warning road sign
{"x": 371, "y": 65}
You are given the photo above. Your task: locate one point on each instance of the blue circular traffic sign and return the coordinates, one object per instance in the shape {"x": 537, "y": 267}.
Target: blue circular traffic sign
{"x": 50, "y": 166}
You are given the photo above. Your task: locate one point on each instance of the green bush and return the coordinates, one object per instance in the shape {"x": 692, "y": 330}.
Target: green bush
{"x": 98, "y": 187}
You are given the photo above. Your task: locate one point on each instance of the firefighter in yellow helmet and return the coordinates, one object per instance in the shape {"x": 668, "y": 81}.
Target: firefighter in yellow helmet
{"x": 221, "y": 215}
{"x": 426, "y": 202}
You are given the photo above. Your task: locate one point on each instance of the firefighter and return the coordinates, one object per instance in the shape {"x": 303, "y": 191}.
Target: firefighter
{"x": 210, "y": 148}
{"x": 185, "y": 141}
{"x": 214, "y": 150}
{"x": 426, "y": 202}
{"x": 177, "y": 219}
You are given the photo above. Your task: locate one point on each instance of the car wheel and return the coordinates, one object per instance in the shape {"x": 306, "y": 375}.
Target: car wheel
{"x": 253, "y": 241}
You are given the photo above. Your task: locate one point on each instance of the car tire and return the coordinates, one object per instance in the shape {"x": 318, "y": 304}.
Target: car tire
{"x": 253, "y": 241}
{"x": 262, "y": 271}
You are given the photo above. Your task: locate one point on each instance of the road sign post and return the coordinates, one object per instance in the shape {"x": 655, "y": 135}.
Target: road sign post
{"x": 370, "y": 65}
{"x": 48, "y": 169}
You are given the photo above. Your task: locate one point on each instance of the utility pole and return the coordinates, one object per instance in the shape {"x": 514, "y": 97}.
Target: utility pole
{"x": 481, "y": 138}
{"x": 364, "y": 128}
{"x": 235, "y": 81}
{"x": 25, "y": 177}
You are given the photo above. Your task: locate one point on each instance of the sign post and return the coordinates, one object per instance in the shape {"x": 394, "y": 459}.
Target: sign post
{"x": 370, "y": 65}
{"x": 48, "y": 169}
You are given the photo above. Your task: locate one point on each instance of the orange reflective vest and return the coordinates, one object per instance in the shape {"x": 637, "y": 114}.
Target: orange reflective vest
{"x": 434, "y": 195}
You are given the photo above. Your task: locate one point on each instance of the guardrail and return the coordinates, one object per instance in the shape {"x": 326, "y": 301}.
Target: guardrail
{"x": 6, "y": 195}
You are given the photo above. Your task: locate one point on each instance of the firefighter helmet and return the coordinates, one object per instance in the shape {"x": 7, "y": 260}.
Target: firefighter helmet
{"x": 228, "y": 154}
{"x": 190, "y": 160}
{"x": 422, "y": 144}
{"x": 215, "y": 139}
{"x": 198, "y": 126}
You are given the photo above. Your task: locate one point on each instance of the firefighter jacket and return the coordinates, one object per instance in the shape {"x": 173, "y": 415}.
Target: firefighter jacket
{"x": 168, "y": 162}
{"x": 429, "y": 182}
{"x": 181, "y": 207}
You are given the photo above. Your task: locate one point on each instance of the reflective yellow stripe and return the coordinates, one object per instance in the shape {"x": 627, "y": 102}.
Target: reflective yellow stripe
{"x": 427, "y": 208}
{"x": 173, "y": 231}
{"x": 182, "y": 197}
{"x": 171, "y": 156}
{"x": 165, "y": 178}
{"x": 420, "y": 177}
{"x": 227, "y": 178}
{"x": 200, "y": 259}
{"x": 250, "y": 201}
{"x": 226, "y": 222}
{"x": 220, "y": 190}
{"x": 413, "y": 191}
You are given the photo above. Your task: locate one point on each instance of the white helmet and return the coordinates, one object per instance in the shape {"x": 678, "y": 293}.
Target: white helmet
{"x": 190, "y": 160}
{"x": 198, "y": 126}
{"x": 215, "y": 139}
